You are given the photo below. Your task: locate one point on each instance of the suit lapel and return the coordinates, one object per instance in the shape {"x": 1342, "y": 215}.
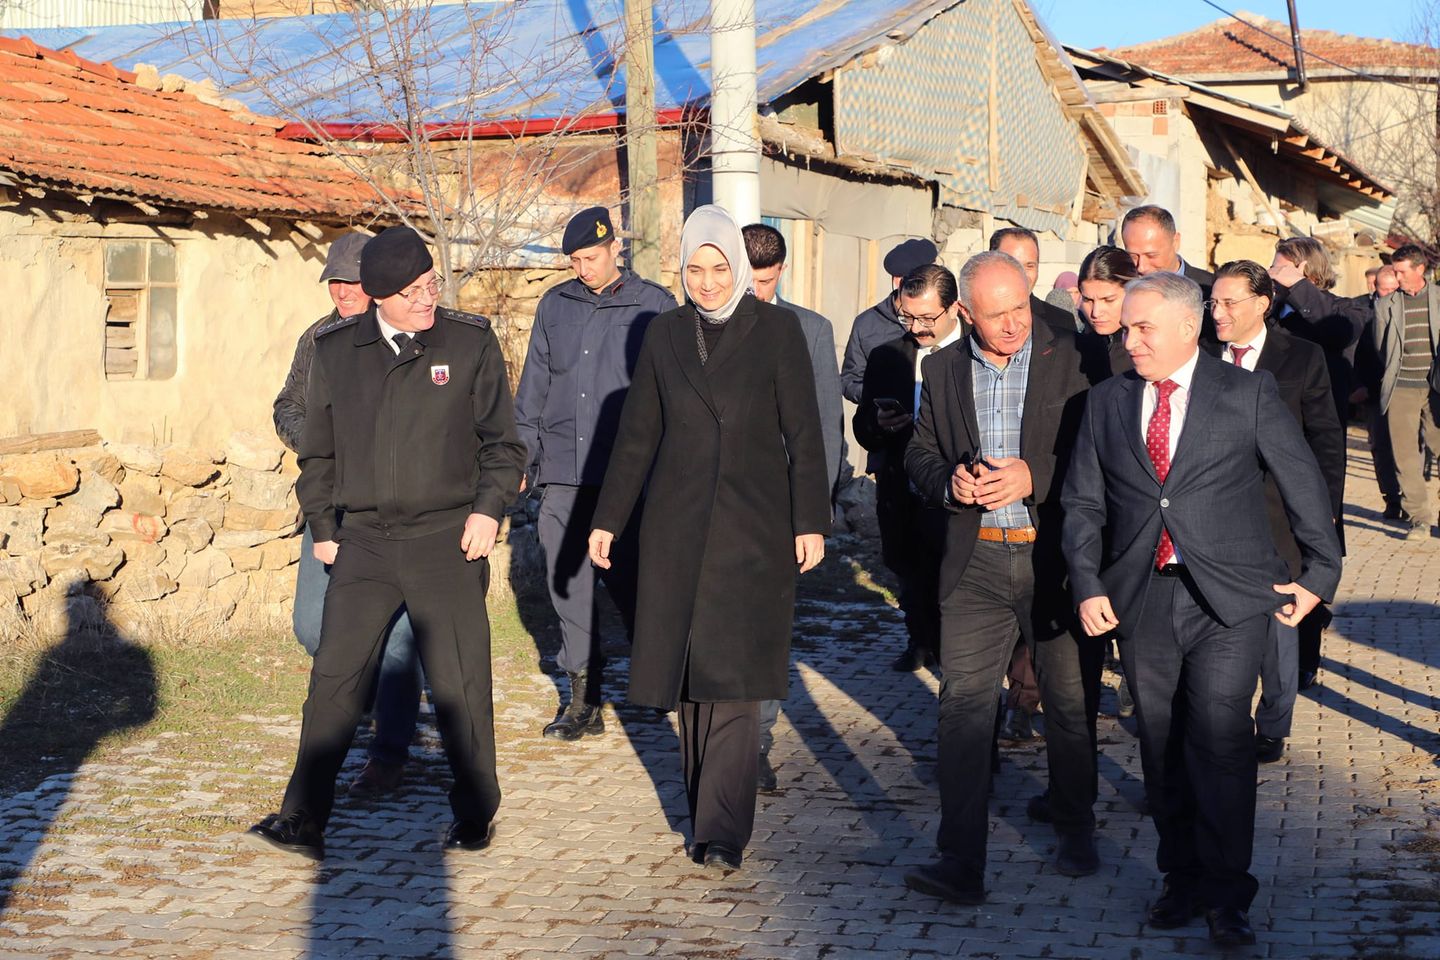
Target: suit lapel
{"x": 1434, "y": 318}
{"x": 964, "y": 383}
{"x": 1038, "y": 383}
{"x": 1203, "y": 391}
{"x": 687, "y": 354}
{"x": 1128, "y": 404}
{"x": 737, "y": 328}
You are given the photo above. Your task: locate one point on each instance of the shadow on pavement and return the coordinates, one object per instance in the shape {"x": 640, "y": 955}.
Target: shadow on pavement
{"x": 91, "y": 685}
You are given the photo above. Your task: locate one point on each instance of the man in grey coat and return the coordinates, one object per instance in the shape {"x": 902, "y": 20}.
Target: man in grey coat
{"x": 582, "y": 352}
{"x": 880, "y": 324}
{"x": 765, "y": 247}
{"x": 1407, "y": 334}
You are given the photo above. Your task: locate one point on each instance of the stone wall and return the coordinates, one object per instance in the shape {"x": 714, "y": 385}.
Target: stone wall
{"x": 172, "y": 539}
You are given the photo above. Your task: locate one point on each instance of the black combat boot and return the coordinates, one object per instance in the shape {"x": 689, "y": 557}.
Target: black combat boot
{"x": 580, "y": 716}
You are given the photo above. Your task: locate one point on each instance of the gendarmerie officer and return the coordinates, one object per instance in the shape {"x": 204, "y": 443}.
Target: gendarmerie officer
{"x": 583, "y": 349}
{"x": 410, "y": 432}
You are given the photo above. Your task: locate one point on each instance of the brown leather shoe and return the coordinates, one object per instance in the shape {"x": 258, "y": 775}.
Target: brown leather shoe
{"x": 376, "y": 779}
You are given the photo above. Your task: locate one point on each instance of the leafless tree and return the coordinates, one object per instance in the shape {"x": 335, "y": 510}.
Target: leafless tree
{"x": 439, "y": 104}
{"x": 1385, "y": 117}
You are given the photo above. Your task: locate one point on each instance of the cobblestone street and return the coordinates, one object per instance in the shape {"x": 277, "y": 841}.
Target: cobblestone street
{"x": 588, "y": 858}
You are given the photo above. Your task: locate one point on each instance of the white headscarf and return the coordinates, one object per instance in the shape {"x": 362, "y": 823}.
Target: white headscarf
{"x": 712, "y": 225}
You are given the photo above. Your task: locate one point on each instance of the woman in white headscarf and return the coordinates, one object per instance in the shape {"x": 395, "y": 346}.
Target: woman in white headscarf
{"x": 722, "y": 431}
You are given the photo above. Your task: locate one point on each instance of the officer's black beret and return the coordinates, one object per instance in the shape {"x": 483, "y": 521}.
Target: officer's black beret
{"x": 907, "y": 256}
{"x": 393, "y": 261}
{"x": 586, "y": 229}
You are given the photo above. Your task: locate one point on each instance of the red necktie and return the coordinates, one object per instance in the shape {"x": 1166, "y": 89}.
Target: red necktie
{"x": 1157, "y": 443}
{"x": 1238, "y": 353}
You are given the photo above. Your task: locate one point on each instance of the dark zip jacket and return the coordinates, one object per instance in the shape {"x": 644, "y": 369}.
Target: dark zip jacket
{"x": 409, "y": 445}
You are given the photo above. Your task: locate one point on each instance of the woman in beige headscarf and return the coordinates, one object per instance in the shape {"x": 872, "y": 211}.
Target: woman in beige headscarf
{"x": 721, "y": 422}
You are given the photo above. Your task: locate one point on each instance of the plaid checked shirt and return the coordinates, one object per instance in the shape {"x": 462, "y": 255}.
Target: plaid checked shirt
{"x": 999, "y": 410}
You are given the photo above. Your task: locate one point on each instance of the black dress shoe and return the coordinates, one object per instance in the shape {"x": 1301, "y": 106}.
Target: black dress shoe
{"x": 941, "y": 879}
{"x": 1075, "y": 854}
{"x": 1269, "y": 749}
{"x": 1038, "y": 809}
{"x": 765, "y": 780}
{"x": 723, "y": 857}
{"x": 294, "y": 834}
{"x": 469, "y": 835}
{"x": 1229, "y": 927}
{"x": 1308, "y": 678}
{"x": 696, "y": 852}
{"x": 912, "y": 659}
{"x": 1175, "y": 908}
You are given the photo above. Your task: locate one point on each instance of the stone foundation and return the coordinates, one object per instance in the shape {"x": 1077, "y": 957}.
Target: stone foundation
{"x": 170, "y": 538}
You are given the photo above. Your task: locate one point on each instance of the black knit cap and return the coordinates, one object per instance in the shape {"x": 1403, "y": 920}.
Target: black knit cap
{"x": 393, "y": 261}
{"x": 587, "y": 228}
{"x": 906, "y": 257}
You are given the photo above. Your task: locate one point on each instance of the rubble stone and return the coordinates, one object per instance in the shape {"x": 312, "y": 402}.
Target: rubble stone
{"x": 41, "y": 474}
{"x": 263, "y": 491}
{"x": 253, "y": 451}
{"x": 135, "y": 458}
{"x": 186, "y": 465}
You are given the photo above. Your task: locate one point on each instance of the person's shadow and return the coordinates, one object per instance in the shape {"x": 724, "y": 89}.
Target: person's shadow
{"x": 91, "y": 685}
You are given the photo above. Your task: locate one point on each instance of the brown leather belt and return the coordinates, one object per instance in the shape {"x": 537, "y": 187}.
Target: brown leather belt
{"x": 1007, "y": 534}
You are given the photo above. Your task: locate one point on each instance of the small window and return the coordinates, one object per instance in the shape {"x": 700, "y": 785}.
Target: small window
{"x": 141, "y": 279}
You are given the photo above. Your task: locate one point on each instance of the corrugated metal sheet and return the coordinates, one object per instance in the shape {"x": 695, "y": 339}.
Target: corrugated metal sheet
{"x": 42, "y": 14}
{"x": 927, "y": 103}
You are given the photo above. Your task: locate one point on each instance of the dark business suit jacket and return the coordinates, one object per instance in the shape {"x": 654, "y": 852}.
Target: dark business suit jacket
{"x": 1302, "y": 377}
{"x": 1236, "y": 428}
{"x": 890, "y": 373}
{"x": 947, "y": 434}
{"x": 1333, "y": 323}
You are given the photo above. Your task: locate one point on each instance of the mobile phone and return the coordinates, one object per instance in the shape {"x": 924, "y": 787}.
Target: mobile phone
{"x": 889, "y": 405}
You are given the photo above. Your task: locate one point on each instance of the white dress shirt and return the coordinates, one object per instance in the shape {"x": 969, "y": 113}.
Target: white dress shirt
{"x": 1179, "y": 400}
{"x": 1252, "y": 357}
{"x": 920, "y": 356}
{"x": 387, "y": 333}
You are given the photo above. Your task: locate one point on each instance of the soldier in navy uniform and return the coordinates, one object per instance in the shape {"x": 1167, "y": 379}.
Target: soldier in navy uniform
{"x": 583, "y": 349}
{"x": 410, "y": 432}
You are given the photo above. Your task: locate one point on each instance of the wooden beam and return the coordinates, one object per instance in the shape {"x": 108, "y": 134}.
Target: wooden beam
{"x": 35, "y": 442}
{"x": 259, "y": 226}
{"x": 309, "y": 229}
{"x": 1281, "y": 222}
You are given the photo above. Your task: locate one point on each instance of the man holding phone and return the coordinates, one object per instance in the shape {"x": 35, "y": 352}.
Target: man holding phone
{"x": 912, "y": 534}
{"x": 998, "y": 412}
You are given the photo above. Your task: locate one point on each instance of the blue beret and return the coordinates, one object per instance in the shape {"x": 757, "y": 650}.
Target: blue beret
{"x": 586, "y": 229}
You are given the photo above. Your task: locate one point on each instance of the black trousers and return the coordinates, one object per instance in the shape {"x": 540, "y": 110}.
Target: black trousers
{"x": 720, "y": 753}
{"x": 1193, "y": 679}
{"x": 912, "y": 542}
{"x": 566, "y": 515}
{"x": 445, "y": 596}
{"x": 989, "y": 611}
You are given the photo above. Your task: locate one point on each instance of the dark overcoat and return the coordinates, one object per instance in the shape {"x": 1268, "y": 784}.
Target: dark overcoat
{"x": 735, "y": 464}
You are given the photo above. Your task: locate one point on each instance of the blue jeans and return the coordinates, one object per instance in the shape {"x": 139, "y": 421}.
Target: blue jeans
{"x": 397, "y": 690}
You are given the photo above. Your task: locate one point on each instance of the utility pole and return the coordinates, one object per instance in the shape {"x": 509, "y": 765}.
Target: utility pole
{"x": 640, "y": 136}
{"x": 734, "y": 125}
{"x": 1299, "y": 48}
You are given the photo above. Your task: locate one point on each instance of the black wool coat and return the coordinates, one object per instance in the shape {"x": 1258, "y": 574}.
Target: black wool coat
{"x": 735, "y": 464}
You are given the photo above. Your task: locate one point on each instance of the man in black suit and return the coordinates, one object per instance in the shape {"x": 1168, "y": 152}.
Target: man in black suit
{"x": 912, "y": 533}
{"x": 1244, "y": 293}
{"x": 1150, "y": 237}
{"x": 998, "y": 411}
{"x": 1182, "y": 563}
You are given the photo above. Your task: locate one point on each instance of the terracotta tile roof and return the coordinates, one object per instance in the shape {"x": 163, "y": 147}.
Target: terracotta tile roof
{"x": 90, "y": 128}
{"x": 1228, "y": 47}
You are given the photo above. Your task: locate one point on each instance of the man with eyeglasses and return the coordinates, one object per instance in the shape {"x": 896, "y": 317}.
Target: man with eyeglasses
{"x": 912, "y": 534}
{"x": 409, "y": 432}
{"x": 998, "y": 412}
{"x": 583, "y": 349}
{"x": 396, "y": 706}
{"x": 1244, "y": 296}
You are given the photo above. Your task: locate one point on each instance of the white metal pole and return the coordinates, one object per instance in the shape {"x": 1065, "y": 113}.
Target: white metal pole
{"x": 734, "y": 133}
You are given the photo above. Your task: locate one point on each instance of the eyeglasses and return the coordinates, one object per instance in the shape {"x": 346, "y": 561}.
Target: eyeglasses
{"x": 924, "y": 323}
{"x": 1227, "y": 304}
{"x": 433, "y": 288}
